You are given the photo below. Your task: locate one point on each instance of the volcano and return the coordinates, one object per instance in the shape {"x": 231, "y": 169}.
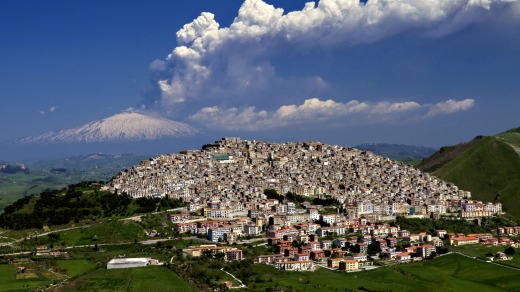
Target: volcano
{"x": 125, "y": 126}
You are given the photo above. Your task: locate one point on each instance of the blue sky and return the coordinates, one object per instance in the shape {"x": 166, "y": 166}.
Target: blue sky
{"x": 411, "y": 72}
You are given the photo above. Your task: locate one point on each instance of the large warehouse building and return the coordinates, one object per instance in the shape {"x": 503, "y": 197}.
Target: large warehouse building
{"x": 123, "y": 263}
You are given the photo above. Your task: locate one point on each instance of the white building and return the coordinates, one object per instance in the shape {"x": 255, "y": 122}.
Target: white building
{"x": 124, "y": 263}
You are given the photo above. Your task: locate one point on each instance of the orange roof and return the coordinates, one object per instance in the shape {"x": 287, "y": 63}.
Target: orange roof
{"x": 465, "y": 238}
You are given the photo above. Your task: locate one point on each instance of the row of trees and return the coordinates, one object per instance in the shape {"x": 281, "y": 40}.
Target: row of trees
{"x": 77, "y": 202}
{"x": 293, "y": 197}
{"x": 416, "y": 225}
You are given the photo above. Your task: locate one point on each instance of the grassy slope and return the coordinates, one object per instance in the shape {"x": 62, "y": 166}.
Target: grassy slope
{"x": 447, "y": 273}
{"x": 483, "y": 251}
{"x": 89, "y": 273}
{"x": 458, "y": 273}
{"x": 446, "y": 154}
{"x": 137, "y": 279}
{"x": 76, "y": 267}
{"x": 110, "y": 232}
{"x": 487, "y": 168}
{"x": 512, "y": 137}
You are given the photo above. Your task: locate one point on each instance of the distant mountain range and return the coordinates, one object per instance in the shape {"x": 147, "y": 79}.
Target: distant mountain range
{"x": 126, "y": 126}
{"x": 407, "y": 153}
{"x": 488, "y": 166}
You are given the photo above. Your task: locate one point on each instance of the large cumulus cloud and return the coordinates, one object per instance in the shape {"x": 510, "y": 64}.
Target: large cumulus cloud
{"x": 227, "y": 70}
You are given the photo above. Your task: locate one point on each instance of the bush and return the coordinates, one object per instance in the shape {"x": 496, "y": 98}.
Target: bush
{"x": 510, "y": 251}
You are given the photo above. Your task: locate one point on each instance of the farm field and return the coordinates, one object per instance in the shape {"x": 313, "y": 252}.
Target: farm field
{"x": 10, "y": 280}
{"x": 154, "y": 278}
{"x": 86, "y": 272}
{"x": 458, "y": 273}
{"x": 451, "y": 272}
{"x": 128, "y": 231}
{"x": 485, "y": 251}
{"x": 76, "y": 267}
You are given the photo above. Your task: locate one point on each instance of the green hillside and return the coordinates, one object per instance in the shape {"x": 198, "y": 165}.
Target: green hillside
{"x": 489, "y": 167}
{"x": 39, "y": 176}
{"x": 446, "y": 154}
{"x": 512, "y": 137}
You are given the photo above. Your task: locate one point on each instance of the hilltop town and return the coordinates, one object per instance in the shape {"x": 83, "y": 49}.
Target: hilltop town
{"x": 228, "y": 179}
{"x": 313, "y": 203}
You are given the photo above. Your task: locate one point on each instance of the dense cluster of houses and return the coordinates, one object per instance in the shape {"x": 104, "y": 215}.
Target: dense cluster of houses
{"x": 227, "y": 179}
{"x": 303, "y": 251}
{"x": 344, "y": 245}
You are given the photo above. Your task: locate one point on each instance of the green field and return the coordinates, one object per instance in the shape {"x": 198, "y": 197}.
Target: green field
{"x": 458, "y": 273}
{"x": 447, "y": 273}
{"x": 76, "y": 267}
{"x": 154, "y": 278}
{"x": 452, "y": 272}
{"x": 113, "y": 231}
{"x": 486, "y": 251}
{"x": 86, "y": 271}
{"x": 9, "y": 281}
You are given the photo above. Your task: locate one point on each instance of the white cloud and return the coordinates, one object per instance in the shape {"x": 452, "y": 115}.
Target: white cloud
{"x": 213, "y": 64}
{"x": 315, "y": 110}
{"x": 450, "y": 106}
{"x": 226, "y": 72}
{"x": 158, "y": 66}
{"x": 51, "y": 110}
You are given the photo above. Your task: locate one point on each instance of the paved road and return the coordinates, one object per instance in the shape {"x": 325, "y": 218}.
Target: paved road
{"x": 241, "y": 284}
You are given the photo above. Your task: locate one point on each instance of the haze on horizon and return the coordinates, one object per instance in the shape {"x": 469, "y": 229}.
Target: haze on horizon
{"x": 345, "y": 72}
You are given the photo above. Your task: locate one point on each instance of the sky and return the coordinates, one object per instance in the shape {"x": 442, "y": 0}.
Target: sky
{"x": 345, "y": 72}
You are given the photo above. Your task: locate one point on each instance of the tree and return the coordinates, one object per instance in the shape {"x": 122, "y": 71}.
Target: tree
{"x": 510, "y": 250}
{"x": 220, "y": 256}
{"x": 373, "y": 249}
{"x": 296, "y": 243}
{"x": 272, "y": 194}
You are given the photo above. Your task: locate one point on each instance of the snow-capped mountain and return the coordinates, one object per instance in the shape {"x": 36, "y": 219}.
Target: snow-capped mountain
{"x": 126, "y": 126}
